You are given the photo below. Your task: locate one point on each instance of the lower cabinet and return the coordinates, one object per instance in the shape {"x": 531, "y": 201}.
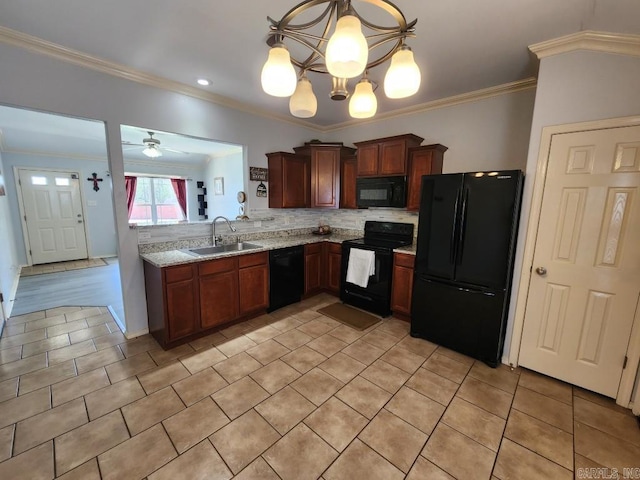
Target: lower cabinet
{"x": 312, "y": 268}
{"x": 253, "y": 282}
{"x": 185, "y": 301}
{"x": 402, "y": 284}
{"x": 333, "y": 265}
{"x": 322, "y": 262}
{"x": 218, "y": 282}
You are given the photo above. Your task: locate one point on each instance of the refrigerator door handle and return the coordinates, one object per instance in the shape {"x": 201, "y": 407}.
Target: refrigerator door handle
{"x": 454, "y": 230}
{"x": 480, "y": 292}
{"x": 461, "y": 230}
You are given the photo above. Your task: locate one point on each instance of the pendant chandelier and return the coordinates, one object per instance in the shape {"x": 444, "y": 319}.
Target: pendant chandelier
{"x": 333, "y": 43}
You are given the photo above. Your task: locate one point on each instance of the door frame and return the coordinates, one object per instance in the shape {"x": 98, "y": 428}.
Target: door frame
{"x": 629, "y": 374}
{"x": 23, "y": 222}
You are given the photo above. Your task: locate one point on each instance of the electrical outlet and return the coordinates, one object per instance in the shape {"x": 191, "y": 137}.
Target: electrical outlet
{"x": 257, "y": 223}
{"x": 92, "y": 203}
{"x": 144, "y": 235}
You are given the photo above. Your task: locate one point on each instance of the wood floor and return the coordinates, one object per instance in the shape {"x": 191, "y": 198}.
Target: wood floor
{"x": 83, "y": 287}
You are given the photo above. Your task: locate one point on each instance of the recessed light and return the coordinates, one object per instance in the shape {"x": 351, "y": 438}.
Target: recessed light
{"x": 204, "y": 82}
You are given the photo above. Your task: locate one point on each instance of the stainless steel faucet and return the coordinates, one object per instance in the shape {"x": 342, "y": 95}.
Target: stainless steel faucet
{"x": 213, "y": 224}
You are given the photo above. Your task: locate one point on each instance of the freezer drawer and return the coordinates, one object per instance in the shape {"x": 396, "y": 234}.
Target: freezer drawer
{"x": 465, "y": 320}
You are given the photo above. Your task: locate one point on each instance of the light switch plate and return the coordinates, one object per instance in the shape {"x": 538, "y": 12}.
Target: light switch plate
{"x": 92, "y": 203}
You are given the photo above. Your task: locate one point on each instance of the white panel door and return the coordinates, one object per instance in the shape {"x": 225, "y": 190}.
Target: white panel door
{"x": 54, "y": 219}
{"x": 585, "y": 286}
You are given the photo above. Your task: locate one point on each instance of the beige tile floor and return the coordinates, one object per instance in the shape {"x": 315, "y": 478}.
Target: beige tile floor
{"x": 291, "y": 395}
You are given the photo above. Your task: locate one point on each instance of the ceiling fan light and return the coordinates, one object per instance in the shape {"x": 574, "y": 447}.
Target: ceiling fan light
{"x": 152, "y": 151}
{"x": 347, "y": 50}
{"x": 403, "y": 76}
{"x": 363, "y": 103}
{"x": 278, "y": 76}
{"x": 303, "y": 103}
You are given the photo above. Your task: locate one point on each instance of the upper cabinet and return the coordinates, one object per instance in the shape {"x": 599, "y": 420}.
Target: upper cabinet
{"x": 289, "y": 180}
{"x": 384, "y": 157}
{"x": 424, "y": 160}
{"x": 348, "y": 173}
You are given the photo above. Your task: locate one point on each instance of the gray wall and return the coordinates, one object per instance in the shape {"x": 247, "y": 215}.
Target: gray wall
{"x": 9, "y": 263}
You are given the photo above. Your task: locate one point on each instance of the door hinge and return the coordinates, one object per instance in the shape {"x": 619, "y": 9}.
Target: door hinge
{"x": 1, "y": 298}
{"x": 19, "y": 182}
{"x": 624, "y": 364}
{"x": 30, "y": 253}
{"x": 25, "y": 218}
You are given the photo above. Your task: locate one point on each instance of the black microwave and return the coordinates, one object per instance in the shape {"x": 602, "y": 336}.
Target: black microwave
{"x": 381, "y": 192}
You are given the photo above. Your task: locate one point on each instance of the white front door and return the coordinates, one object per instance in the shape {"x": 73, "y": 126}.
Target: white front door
{"x": 585, "y": 285}
{"x": 54, "y": 217}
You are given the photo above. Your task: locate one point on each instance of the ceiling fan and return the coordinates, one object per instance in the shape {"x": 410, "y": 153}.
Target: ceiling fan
{"x": 152, "y": 146}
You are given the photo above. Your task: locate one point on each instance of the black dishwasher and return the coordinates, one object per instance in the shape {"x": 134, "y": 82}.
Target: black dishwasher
{"x": 286, "y": 276}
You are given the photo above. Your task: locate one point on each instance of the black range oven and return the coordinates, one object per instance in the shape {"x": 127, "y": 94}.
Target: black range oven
{"x": 380, "y": 238}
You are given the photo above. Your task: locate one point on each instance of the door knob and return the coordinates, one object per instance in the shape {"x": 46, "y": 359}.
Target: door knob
{"x": 541, "y": 271}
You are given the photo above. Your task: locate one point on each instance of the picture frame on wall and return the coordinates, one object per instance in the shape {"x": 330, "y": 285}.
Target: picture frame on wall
{"x": 2, "y": 190}
{"x": 218, "y": 186}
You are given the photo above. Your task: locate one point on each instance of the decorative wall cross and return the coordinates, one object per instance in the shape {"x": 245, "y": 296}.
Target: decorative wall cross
{"x": 94, "y": 178}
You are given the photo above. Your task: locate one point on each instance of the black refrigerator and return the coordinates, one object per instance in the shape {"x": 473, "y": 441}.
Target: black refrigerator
{"x": 464, "y": 260}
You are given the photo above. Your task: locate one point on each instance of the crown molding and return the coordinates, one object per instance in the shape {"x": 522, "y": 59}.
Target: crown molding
{"x": 69, "y": 55}
{"x": 620, "y": 43}
{"x": 68, "y": 156}
{"x": 75, "y": 57}
{"x": 474, "y": 96}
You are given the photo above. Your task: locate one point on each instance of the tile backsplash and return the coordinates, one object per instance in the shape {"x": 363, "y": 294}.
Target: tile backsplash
{"x": 267, "y": 223}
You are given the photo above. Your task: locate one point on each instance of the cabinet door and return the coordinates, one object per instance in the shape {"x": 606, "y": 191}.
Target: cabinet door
{"x": 295, "y": 182}
{"x": 325, "y": 177}
{"x": 393, "y": 158}
{"x": 402, "y": 284}
{"x": 182, "y": 314}
{"x": 348, "y": 174}
{"x": 254, "y": 288}
{"x": 368, "y": 160}
{"x": 312, "y": 267}
{"x": 426, "y": 160}
{"x": 333, "y": 276}
{"x": 218, "y": 298}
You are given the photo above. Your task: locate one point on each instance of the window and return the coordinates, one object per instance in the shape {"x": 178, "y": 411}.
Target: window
{"x": 62, "y": 182}
{"x": 39, "y": 180}
{"x": 155, "y": 202}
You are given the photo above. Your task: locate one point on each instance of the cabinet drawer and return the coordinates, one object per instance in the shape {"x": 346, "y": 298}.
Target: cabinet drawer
{"x": 178, "y": 274}
{"x": 335, "y": 247}
{"x": 217, "y": 266}
{"x": 252, "y": 259}
{"x": 404, "y": 260}
{"x": 312, "y": 248}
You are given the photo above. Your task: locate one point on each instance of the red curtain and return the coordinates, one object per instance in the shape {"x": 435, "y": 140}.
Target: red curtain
{"x": 130, "y": 186}
{"x": 180, "y": 188}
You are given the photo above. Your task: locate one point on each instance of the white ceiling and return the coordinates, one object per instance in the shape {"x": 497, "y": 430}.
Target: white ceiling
{"x": 461, "y": 45}
{"x": 38, "y": 133}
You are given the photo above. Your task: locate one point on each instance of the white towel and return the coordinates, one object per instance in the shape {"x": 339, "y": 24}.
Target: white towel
{"x": 362, "y": 264}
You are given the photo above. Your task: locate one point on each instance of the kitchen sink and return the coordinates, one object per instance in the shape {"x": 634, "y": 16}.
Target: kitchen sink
{"x": 233, "y": 247}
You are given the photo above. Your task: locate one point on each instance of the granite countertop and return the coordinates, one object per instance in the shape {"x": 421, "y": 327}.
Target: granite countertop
{"x": 410, "y": 250}
{"x": 177, "y": 257}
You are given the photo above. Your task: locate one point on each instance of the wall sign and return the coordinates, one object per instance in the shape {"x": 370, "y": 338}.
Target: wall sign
{"x": 258, "y": 174}
{"x": 261, "y": 191}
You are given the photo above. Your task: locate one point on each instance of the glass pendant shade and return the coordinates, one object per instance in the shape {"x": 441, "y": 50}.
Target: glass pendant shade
{"x": 347, "y": 50}
{"x": 152, "y": 152}
{"x": 363, "y": 103}
{"x": 278, "y": 76}
{"x": 303, "y": 103}
{"x": 403, "y": 77}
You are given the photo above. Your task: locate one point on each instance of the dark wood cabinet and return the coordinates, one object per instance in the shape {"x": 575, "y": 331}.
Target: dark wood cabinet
{"x": 253, "y": 281}
{"x": 402, "y": 284}
{"x": 289, "y": 180}
{"x": 218, "y": 282}
{"x": 324, "y": 164}
{"x": 312, "y": 268}
{"x": 187, "y": 301}
{"x": 333, "y": 264}
{"x": 385, "y": 156}
{"x": 181, "y": 304}
{"x": 424, "y": 160}
{"x": 348, "y": 174}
